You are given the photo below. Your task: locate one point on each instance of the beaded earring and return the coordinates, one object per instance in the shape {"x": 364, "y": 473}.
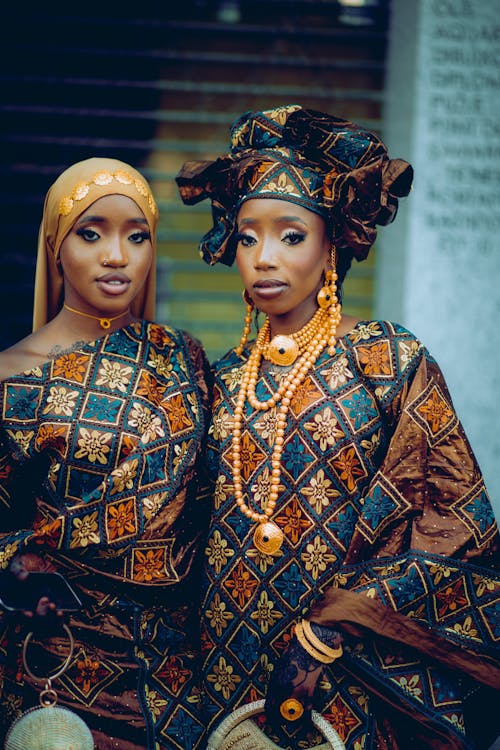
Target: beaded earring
{"x": 327, "y": 299}
{"x": 248, "y": 322}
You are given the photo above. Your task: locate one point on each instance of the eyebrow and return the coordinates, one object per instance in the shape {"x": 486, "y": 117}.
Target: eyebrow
{"x": 99, "y": 219}
{"x": 279, "y": 220}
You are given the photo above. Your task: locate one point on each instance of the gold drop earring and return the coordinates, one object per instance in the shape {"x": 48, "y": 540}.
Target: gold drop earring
{"x": 248, "y": 322}
{"x": 327, "y": 299}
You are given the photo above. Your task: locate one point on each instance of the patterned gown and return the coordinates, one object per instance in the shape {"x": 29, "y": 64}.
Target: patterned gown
{"x": 102, "y": 474}
{"x": 388, "y": 535}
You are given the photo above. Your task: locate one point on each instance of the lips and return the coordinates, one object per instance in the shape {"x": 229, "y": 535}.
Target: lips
{"x": 269, "y": 288}
{"x": 113, "y": 283}
{"x": 265, "y": 283}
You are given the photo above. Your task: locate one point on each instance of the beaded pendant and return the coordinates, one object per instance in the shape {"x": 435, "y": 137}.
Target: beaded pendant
{"x": 282, "y": 350}
{"x": 268, "y": 537}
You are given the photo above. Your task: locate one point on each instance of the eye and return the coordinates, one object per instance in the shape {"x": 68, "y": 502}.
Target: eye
{"x": 89, "y": 235}
{"x": 139, "y": 237}
{"x": 245, "y": 239}
{"x": 293, "y": 238}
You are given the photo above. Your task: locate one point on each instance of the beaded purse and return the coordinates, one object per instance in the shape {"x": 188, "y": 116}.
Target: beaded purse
{"x": 49, "y": 726}
{"x": 239, "y": 732}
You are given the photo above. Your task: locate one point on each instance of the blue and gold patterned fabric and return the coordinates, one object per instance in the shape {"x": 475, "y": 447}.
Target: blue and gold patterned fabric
{"x": 102, "y": 474}
{"x": 389, "y": 536}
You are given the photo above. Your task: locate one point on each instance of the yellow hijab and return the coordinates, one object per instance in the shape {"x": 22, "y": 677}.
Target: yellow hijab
{"x": 68, "y": 197}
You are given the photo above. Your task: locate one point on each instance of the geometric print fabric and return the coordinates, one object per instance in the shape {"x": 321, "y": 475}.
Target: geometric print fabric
{"x": 362, "y": 426}
{"x": 120, "y": 423}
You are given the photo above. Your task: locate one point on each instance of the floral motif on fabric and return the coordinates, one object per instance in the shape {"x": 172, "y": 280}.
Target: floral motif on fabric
{"x": 121, "y": 521}
{"x": 433, "y": 413}
{"x": 178, "y": 416}
{"x": 21, "y": 403}
{"x": 349, "y": 467}
{"x": 87, "y": 676}
{"x": 382, "y": 504}
{"x": 375, "y": 360}
{"x": 241, "y": 584}
{"x": 85, "y": 531}
{"x": 343, "y": 718}
{"x": 71, "y": 366}
{"x": 173, "y": 674}
{"x": 359, "y": 408}
{"x": 52, "y": 436}
{"x": 474, "y": 509}
{"x": 151, "y": 388}
{"x": 153, "y": 564}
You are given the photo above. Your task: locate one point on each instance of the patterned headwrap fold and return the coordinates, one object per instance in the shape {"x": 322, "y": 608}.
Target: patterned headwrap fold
{"x": 326, "y": 164}
{"x": 69, "y": 196}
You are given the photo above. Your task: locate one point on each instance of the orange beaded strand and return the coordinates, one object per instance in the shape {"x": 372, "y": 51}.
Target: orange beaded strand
{"x": 284, "y": 394}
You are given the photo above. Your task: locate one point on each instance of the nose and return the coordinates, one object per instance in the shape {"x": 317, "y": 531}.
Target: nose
{"x": 265, "y": 255}
{"x": 115, "y": 254}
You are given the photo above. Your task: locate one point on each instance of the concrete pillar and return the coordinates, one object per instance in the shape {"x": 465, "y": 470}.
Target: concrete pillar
{"x": 438, "y": 265}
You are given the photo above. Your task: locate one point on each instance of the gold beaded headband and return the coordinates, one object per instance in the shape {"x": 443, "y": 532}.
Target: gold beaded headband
{"x": 104, "y": 177}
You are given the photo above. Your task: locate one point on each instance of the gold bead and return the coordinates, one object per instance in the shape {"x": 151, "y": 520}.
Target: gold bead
{"x": 291, "y": 709}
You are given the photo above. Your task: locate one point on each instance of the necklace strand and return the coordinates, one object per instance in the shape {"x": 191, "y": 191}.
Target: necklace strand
{"x": 314, "y": 327}
{"x": 104, "y": 322}
{"x": 283, "y": 349}
{"x": 289, "y": 385}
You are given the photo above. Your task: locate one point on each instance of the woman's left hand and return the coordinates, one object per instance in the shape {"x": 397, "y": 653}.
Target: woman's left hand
{"x": 295, "y": 676}
{"x": 29, "y": 562}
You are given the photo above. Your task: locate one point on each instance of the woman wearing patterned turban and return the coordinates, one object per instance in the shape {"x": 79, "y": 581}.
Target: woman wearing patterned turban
{"x": 350, "y": 559}
{"x": 102, "y": 430}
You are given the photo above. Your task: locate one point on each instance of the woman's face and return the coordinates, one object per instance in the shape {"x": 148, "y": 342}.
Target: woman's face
{"x": 282, "y": 252}
{"x": 106, "y": 257}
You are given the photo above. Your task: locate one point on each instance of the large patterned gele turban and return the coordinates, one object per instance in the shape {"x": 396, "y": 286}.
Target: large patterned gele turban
{"x": 326, "y": 164}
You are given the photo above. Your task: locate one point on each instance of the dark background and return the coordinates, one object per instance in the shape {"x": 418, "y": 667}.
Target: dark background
{"x": 155, "y": 88}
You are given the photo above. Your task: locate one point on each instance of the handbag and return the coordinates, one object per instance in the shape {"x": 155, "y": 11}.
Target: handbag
{"x": 238, "y": 732}
{"x": 49, "y": 726}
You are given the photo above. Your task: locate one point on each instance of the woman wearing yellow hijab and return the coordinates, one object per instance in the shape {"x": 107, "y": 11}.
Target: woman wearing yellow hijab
{"x": 103, "y": 415}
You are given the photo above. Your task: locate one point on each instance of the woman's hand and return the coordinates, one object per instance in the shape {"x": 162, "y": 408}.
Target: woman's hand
{"x": 27, "y": 562}
{"x": 295, "y": 676}
{"x": 20, "y": 567}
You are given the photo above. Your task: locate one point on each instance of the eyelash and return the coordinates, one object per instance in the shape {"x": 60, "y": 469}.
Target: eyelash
{"x": 292, "y": 237}
{"x": 90, "y": 235}
{"x": 87, "y": 234}
{"x": 144, "y": 237}
{"x": 242, "y": 239}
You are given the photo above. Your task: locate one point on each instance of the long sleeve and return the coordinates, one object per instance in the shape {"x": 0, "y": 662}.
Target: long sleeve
{"x": 420, "y": 578}
{"x": 428, "y": 493}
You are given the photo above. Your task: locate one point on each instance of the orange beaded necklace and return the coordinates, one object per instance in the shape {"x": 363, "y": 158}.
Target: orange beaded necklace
{"x": 311, "y": 340}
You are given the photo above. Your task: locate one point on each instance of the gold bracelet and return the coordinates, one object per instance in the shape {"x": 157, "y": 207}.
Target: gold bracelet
{"x": 299, "y": 632}
{"x": 332, "y": 653}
